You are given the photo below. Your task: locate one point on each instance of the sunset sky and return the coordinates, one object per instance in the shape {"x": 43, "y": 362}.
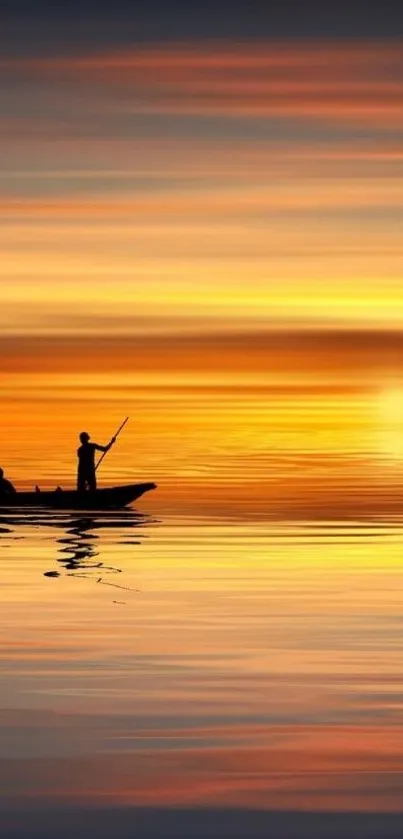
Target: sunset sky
{"x": 195, "y": 197}
{"x": 184, "y": 175}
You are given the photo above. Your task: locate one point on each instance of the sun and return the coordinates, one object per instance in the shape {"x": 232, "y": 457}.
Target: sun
{"x": 391, "y": 422}
{"x": 392, "y": 406}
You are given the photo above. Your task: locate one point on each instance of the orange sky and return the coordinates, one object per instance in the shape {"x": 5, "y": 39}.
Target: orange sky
{"x": 202, "y": 214}
{"x": 232, "y": 185}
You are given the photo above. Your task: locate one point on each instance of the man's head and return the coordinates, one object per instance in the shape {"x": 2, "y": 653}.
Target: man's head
{"x": 84, "y": 437}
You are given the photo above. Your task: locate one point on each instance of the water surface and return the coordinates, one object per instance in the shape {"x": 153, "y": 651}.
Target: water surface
{"x": 200, "y": 661}
{"x": 234, "y": 643}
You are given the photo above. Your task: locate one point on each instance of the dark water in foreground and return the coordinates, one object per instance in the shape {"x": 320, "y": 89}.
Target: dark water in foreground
{"x": 197, "y": 669}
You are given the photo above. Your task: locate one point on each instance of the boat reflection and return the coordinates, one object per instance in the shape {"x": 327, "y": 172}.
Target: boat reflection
{"x": 81, "y": 545}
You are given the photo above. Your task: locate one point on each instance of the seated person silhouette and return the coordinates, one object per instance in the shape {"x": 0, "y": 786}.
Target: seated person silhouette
{"x": 86, "y": 478}
{"x": 6, "y": 487}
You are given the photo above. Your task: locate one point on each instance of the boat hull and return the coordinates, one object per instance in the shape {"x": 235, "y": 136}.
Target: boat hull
{"x": 101, "y": 499}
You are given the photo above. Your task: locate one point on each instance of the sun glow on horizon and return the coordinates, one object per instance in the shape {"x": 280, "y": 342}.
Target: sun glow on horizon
{"x": 391, "y": 421}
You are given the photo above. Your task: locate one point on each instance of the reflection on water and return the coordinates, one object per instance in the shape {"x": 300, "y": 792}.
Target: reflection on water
{"x": 248, "y": 663}
{"x": 80, "y": 545}
{"x": 79, "y": 551}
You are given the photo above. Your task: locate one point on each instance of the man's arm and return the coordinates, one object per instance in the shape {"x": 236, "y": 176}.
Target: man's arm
{"x": 104, "y": 448}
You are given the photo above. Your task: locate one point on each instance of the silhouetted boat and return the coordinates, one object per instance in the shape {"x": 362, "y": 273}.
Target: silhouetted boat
{"x": 101, "y": 499}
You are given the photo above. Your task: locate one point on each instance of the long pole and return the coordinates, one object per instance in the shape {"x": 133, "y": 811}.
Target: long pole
{"x": 115, "y": 436}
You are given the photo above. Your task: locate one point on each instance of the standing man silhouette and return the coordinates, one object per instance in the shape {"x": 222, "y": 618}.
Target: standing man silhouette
{"x": 86, "y": 477}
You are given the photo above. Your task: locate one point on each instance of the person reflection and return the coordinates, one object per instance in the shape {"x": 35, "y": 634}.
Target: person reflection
{"x": 80, "y": 545}
{"x": 80, "y": 549}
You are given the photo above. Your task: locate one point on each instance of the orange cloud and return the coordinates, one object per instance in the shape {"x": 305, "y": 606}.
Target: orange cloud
{"x": 111, "y": 229}
{"x": 358, "y": 82}
{"x": 343, "y": 356}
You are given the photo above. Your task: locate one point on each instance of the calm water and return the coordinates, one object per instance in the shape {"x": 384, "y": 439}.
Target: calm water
{"x": 231, "y": 644}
